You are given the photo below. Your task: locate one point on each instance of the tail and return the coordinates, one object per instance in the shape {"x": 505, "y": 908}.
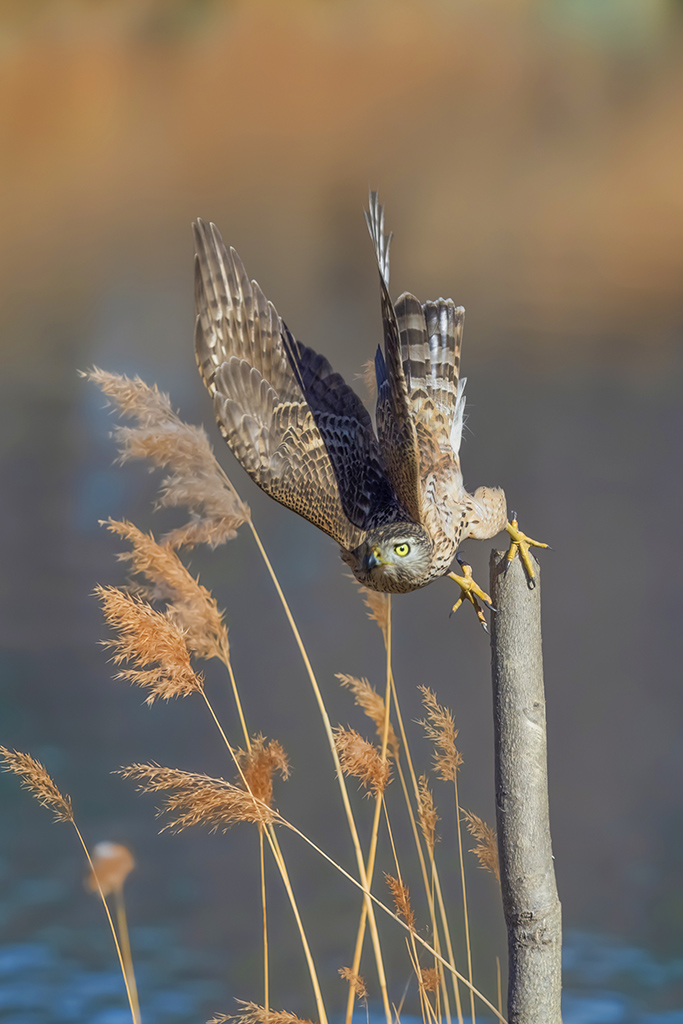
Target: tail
{"x": 374, "y": 218}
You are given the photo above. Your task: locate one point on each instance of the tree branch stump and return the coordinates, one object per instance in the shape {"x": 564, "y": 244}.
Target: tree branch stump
{"x": 530, "y": 902}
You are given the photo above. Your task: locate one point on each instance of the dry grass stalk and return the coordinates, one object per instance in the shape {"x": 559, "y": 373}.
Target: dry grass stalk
{"x": 486, "y": 850}
{"x": 196, "y": 799}
{"x": 439, "y": 727}
{"x": 356, "y": 982}
{"x": 258, "y": 765}
{"x": 145, "y": 638}
{"x": 35, "y": 778}
{"x": 401, "y": 896}
{"x": 362, "y": 760}
{"x": 367, "y": 698}
{"x": 189, "y": 604}
{"x": 430, "y": 979}
{"x": 112, "y": 863}
{"x": 252, "y": 1013}
{"x": 195, "y": 481}
{"x": 427, "y": 814}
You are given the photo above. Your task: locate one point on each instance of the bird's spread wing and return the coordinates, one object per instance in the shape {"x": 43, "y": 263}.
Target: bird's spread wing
{"x": 299, "y": 431}
{"x": 395, "y": 426}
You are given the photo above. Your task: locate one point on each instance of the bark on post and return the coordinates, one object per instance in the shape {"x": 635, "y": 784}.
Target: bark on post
{"x": 530, "y": 901}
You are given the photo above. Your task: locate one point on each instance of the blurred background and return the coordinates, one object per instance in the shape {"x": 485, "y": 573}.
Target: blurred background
{"x": 530, "y": 157}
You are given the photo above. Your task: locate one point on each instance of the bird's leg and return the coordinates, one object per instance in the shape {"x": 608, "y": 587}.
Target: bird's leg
{"x": 470, "y": 591}
{"x": 520, "y": 542}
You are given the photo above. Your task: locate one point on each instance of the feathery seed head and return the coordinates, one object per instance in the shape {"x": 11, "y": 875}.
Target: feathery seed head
{"x": 258, "y": 765}
{"x": 195, "y": 480}
{"x": 356, "y": 981}
{"x": 147, "y": 638}
{"x": 252, "y": 1013}
{"x": 196, "y": 799}
{"x": 401, "y": 896}
{"x": 427, "y": 814}
{"x": 35, "y": 778}
{"x": 367, "y": 698}
{"x": 188, "y": 604}
{"x": 439, "y": 727}
{"x": 486, "y": 850}
{"x": 361, "y": 759}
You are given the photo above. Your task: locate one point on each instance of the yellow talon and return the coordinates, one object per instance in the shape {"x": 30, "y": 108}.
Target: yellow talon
{"x": 470, "y": 591}
{"x": 520, "y": 542}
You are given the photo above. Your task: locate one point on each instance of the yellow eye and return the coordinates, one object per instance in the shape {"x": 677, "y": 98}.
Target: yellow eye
{"x": 402, "y": 549}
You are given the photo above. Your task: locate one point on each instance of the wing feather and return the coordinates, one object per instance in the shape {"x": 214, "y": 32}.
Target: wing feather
{"x": 294, "y": 425}
{"x": 395, "y": 426}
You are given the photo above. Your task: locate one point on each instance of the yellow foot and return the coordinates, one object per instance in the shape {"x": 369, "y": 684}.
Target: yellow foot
{"x": 520, "y": 542}
{"x": 470, "y": 591}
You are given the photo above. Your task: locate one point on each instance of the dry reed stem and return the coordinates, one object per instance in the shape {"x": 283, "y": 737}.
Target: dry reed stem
{"x": 327, "y": 725}
{"x": 427, "y": 814}
{"x": 368, "y": 699}
{"x": 486, "y": 850}
{"x": 401, "y": 897}
{"x": 196, "y": 799}
{"x": 190, "y": 605}
{"x": 390, "y": 913}
{"x": 145, "y": 638}
{"x": 362, "y": 760}
{"x": 112, "y": 864}
{"x": 35, "y": 778}
{"x": 439, "y": 727}
{"x": 195, "y": 480}
{"x": 252, "y": 1013}
{"x": 356, "y": 982}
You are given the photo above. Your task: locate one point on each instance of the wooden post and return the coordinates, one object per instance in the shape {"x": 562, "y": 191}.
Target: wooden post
{"x": 532, "y": 908}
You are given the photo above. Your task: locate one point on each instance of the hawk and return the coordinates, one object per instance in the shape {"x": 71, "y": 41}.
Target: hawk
{"x": 394, "y": 500}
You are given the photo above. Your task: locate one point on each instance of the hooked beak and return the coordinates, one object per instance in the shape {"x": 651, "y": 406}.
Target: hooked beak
{"x": 373, "y": 558}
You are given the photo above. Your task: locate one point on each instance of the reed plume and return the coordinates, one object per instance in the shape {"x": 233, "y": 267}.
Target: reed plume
{"x": 145, "y": 638}
{"x": 195, "y": 481}
{"x": 259, "y": 763}
{"x": 379, "y": 607}
{"x": 35, "y": 778}
{"x": 188, "y": 604}
{"x": 427, "y": 814}
{"x": 439, "y": 727}
{"x": 362, "y": 760}
{"x": 401, "y": 897}
{"x": 196, "y": 799}
{"x": 368, "y": 699}
{"x": 252, "y": 1013}
{"x": 356, "y": 982}
{"x": 486, "y": 850}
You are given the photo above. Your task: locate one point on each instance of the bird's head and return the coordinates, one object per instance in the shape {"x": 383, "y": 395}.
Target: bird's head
{"x": 393, "y": 559}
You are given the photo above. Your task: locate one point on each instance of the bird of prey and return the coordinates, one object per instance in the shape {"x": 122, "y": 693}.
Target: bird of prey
{"x": 394, "y": 500}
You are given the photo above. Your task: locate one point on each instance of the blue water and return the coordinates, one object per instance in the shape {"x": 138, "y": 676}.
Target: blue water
{"x": 605, "y": 983}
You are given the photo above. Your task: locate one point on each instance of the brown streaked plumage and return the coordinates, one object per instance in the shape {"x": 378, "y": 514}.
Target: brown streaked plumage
{"x": 394, "y": 501}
